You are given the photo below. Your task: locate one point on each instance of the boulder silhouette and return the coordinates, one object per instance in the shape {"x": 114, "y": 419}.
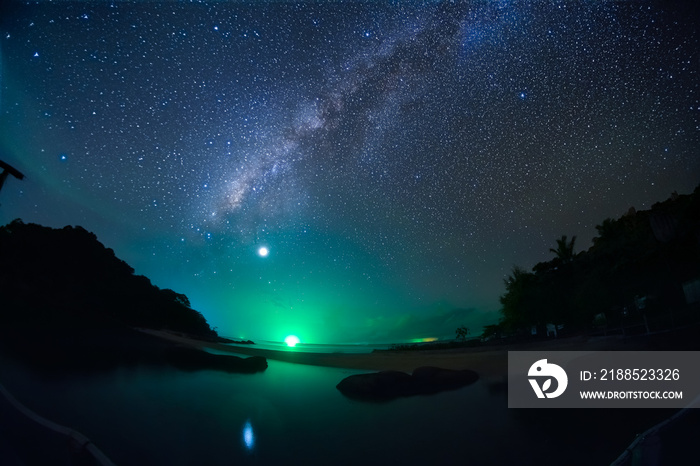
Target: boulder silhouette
{"x": 191, "y": 359}
{"x": 387, "y": 385}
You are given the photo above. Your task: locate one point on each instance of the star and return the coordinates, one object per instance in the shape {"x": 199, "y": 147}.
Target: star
{"x": 402, "y": 154}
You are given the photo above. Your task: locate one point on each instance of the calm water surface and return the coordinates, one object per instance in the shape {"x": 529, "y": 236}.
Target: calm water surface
{"x": 293, "y": 414}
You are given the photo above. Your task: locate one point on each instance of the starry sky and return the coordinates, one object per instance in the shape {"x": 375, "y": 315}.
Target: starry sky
{"x": 395, "y": 159}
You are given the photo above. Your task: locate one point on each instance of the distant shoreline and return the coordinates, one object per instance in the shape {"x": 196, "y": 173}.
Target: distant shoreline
{"x": 488, "y": 361}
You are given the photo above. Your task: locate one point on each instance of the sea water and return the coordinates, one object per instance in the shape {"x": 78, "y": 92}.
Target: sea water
{"x": 293, "y": 414}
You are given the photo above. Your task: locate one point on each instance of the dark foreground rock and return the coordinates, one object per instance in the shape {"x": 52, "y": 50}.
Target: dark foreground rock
{"x": 191, "y": 359}
{"x": 387, "y": 385}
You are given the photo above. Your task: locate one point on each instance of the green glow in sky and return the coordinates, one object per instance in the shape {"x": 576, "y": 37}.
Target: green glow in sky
{"x": 292, "y": 341}
{"x": 344, "y": 171}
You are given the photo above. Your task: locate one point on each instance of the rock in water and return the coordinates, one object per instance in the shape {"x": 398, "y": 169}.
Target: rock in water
{"x": 387, "y": 385}
{"x": 376, "y": 386}
{"x": 191, "y": 359}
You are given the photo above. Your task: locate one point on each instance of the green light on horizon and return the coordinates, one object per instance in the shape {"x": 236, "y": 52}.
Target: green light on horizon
{"x": 292, "y": 341}
{"x": 423, "y": 340}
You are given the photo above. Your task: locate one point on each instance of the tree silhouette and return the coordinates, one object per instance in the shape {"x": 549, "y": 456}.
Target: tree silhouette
{"x": 564, "y": 250}
{"x": 520, "y": 302}
{"x": 606, "y": 232}
{"x": 650, "y": 256}
{"x": 462, "y": 332}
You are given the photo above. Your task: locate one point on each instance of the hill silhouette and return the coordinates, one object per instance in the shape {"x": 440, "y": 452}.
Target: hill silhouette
{"x": 67, "y": 300}
{"x": 67, "y": 277}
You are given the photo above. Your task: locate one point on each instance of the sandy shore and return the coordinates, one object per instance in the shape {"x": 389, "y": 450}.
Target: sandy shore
{"x": 488, "y": 361}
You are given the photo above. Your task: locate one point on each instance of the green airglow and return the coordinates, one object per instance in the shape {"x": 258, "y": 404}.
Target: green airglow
{"x": 320, "y": 299}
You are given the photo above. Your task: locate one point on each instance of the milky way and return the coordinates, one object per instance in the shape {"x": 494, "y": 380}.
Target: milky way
{"x": 396, "y": 160}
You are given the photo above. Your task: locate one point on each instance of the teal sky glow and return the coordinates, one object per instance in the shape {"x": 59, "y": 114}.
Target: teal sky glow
{"x": 393, "y": 159}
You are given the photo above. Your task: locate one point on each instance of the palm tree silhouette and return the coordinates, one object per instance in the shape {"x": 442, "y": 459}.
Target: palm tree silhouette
{"x": 565, "y": 250}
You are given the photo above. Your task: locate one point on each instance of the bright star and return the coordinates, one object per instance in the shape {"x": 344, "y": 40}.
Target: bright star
{"x": 263, "y": 251}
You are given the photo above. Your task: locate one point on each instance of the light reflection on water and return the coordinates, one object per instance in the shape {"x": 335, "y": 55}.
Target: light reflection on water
{"x": 248, "y": 435}
{"x": 292, "y": 414}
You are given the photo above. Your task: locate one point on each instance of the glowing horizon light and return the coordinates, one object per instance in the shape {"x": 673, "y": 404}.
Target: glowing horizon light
{"x": 292, "y": 341}
{"x": 263, "y": 251}
{"x": 424, "y": 340}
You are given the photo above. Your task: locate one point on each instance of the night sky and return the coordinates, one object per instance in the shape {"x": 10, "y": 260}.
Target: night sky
{"x": 396, "y": 159}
